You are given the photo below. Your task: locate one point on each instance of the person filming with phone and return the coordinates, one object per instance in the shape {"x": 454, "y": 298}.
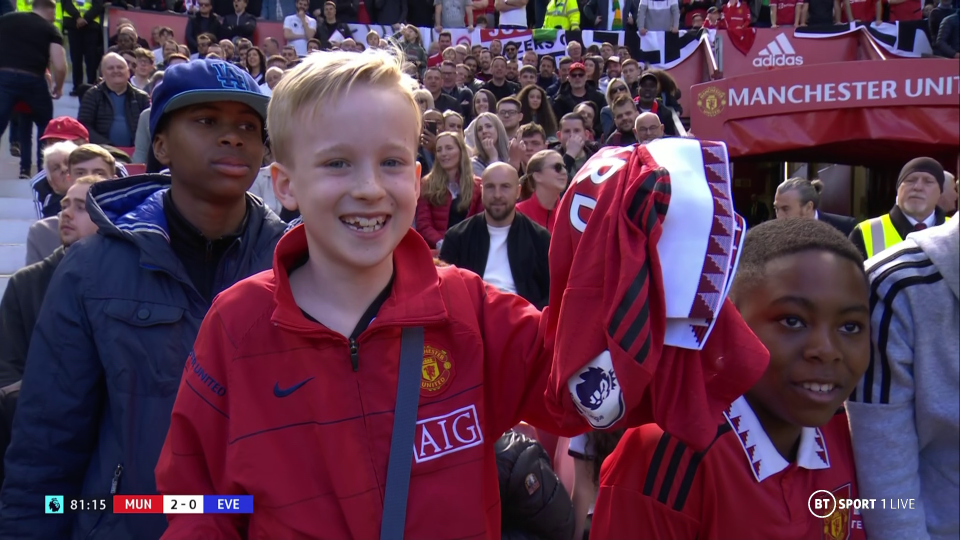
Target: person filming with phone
{"x": 432, "y": 126}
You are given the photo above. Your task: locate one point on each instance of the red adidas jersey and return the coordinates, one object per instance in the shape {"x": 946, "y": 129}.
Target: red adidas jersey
{"x": 786, "y": 11}
{"x": 736, "y": 14}
{"x": 863, "y": 11}
{"x": 654, "y": 486}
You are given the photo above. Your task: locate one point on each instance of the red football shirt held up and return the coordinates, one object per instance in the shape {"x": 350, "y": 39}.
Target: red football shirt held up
{"x": 736, "y": 14}
{"x": 654, "y": 486}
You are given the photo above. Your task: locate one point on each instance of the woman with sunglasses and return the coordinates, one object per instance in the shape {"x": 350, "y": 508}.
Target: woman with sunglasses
{"x": 615, "y": 89}
{"x": 546, "y": 178}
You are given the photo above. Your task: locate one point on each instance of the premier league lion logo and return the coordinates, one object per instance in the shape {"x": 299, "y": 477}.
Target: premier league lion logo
{"x": 595, "y": 388}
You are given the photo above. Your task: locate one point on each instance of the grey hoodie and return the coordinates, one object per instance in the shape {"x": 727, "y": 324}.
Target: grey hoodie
{"x": 905, "y": 413}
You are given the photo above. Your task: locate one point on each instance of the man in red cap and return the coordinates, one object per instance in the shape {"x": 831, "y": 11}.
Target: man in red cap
{"x": 61, "y": 128}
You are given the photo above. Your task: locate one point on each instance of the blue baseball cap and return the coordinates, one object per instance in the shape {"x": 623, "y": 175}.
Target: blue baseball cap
{"x": 204, "y": 81}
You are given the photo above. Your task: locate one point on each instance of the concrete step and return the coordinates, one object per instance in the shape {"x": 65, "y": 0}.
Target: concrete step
{"x": 12, "y": 257}
{"x": 14, "y": 231}
{"x": 16, "y": 189}
{"x": 17, "y": 209}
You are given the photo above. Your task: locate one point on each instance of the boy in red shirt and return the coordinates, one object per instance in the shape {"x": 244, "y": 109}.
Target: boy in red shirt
{"x": 736, "y": 14}
{"x": 290, "y": 392}
{"x": 802, "y": 290}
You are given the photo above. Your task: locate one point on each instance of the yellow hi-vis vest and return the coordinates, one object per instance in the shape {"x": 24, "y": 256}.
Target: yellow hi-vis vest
{"x": 83, "y": 6}
{"x": 27, "y": 5}
{"x": 879, "y": 234}
{"x": 562, "y": 13}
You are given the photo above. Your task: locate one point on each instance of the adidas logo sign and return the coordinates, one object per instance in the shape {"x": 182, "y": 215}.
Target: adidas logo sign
{"x": 778, "y": 53}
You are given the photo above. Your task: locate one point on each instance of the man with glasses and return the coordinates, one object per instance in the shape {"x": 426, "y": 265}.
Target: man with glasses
{"x": 508, "y": 109}
{"x": 450, "y": 87}
{"x": 575, "y": 91}
{"x": 510, "y": 50}
{"x": 203, "y": 21}
{"x": 647, "y": 127}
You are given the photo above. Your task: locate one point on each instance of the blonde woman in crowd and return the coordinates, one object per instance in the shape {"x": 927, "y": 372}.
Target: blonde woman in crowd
{"x": 492, "y": 143}
{"x": 450, "y": 193}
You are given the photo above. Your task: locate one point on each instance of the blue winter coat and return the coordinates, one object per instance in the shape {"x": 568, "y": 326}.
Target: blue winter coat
{"x": 105, "y": 362}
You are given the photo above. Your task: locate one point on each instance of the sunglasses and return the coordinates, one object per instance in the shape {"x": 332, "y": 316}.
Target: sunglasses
{"x": 558, "y": 168}
{"x": 619, "y": 89}
{"x": 578, "y": 75}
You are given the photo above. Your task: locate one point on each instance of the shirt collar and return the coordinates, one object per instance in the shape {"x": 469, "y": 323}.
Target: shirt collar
{"x": 764, "y": 459}
{"x": 929, "y": 222}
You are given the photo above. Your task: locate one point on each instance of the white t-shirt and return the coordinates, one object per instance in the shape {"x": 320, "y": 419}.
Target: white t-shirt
{"x": 265, "y": 89}
{"x": 295, "y": 25}
{"x": 497, "y": 272}
{"x": 514, "y": 17}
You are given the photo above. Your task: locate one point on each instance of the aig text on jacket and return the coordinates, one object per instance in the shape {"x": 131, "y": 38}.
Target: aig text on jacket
{"x": 823, "y": 504}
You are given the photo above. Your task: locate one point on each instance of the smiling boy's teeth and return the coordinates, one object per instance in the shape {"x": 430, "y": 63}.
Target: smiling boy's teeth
{"x": 364, "y": 224}
{"x": 817, "y": 387}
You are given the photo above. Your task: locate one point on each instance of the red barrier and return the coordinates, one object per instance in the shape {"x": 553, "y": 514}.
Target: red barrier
{"x": 851, "y": 112}
{"x": 144, "y": 21}
{"x": 765, "y": 54}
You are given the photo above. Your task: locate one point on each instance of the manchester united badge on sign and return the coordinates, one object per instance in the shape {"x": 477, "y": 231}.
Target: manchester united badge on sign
{"x": 712, "y": 101}
{"x": 437, "y": 371}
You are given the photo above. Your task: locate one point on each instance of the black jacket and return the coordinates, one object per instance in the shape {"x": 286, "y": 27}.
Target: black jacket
{"x": 18, "y": 313}
{"x": 71, "y": 13}
{"x": 565, "y": 101}
{"x": 948, "y": 37}
{"x": 8, "y": 406}
{"x": 900, "y": 223}
{"x": 389, "y": 11}
{"x": 467, "y": 245}
{"x": 195, "y": 28}
{"x": 107, "y": 354}
{"x": 96, "y": 112}
{"x": 324, "y": 31}
{"x": 844, "y": 224}
{"x": 225, "y": 7}
{"x": 534, "y": 504}
{"x": 233, "y": 26}
{"x": 446, "y": 102}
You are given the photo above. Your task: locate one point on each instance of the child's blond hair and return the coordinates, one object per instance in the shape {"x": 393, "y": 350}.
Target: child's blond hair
{"x": 324, "y": 77}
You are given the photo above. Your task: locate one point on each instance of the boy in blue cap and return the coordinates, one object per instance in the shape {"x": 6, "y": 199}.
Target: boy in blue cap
{"x": 126, "y": 304}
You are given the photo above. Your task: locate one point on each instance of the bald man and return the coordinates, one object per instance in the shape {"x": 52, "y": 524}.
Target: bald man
{"x": 503, "y": 246}
{"x": 647, "y": 127}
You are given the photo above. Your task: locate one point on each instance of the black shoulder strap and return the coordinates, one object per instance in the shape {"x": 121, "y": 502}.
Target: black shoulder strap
{"x": 401, "y": 442}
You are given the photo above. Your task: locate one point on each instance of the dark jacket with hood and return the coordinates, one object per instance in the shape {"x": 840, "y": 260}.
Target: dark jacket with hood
{"x": 106, "y": 359}
{"x": 534, "y": 504}
{"x": 564, "y": 102}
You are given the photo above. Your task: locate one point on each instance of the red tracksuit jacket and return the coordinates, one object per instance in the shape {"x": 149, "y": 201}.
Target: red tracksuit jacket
{"x": 315, "y": 458}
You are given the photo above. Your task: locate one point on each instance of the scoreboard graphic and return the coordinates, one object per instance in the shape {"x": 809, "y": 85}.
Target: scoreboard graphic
{"x": 151, "y": 504}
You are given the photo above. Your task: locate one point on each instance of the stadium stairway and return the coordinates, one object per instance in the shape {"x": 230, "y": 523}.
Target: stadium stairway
{"x": 17, "y": 210}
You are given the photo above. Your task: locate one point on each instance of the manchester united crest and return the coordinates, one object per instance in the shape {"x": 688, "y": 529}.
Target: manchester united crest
{"x": 836, "y": 526}
{"x": 712, "y": 101}
{"x": 437, "y": 371}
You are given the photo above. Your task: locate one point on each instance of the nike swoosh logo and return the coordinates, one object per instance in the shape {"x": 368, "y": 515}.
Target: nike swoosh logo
{"x": 284, "y": 392}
